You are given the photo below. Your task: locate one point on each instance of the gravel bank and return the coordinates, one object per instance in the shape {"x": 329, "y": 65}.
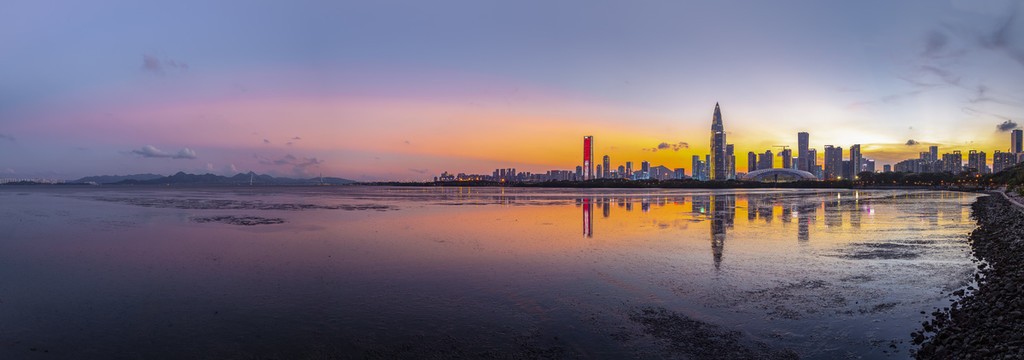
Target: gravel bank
{"x": 987, "y": 322}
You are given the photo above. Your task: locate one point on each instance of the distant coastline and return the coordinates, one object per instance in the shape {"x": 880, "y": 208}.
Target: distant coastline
{"x": 1011, "y": 179}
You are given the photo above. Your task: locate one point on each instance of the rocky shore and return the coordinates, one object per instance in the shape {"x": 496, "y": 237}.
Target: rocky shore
{"x": 986, "y": 322}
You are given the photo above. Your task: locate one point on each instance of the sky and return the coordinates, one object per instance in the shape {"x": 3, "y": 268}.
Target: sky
{"x": 405, "y": 90}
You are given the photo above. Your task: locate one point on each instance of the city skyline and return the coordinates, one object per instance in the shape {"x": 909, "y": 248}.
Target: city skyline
{"x": 406, "y": 91}
{"x": 836, "y": 164}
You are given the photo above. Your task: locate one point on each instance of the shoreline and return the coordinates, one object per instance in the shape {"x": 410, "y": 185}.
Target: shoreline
{"x": 987, "y": 321}
{"x": 555, "y": 185}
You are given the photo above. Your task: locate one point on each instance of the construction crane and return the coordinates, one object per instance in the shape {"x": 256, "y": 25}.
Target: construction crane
{"x": 784, "y": 147}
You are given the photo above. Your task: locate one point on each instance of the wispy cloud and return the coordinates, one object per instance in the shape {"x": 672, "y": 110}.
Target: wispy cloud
{"x": 666, "y": 146}
{"x": 7, "y": 137}
{"x": 150, "y": 151}
{"x": 1002, "y": 37}
{"x": 419, "y": 171}
{"x": 298, "y": 166}
{"x": 154, "y": 64}
{"x": 912, "y": 142}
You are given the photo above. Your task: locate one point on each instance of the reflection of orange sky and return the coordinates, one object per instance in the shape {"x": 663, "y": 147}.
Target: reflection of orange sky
{"x": 486, "y": 231}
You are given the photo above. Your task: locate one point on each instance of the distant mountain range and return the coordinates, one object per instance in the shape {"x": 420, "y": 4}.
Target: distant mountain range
{"x": 207, "y": 179}
{"x": 110, "y": 179}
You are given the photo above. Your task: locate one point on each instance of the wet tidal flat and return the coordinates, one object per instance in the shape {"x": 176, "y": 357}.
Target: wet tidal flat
{"x": 378, "y": 272}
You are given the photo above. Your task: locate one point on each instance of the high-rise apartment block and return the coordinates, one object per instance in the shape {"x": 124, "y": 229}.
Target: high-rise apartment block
{"x": 1003, "y": 160}
{"x": 1017, "y": 141}
{"x": 766, "y": 160}
{"x": 833, "y": 162}
{"x": 856, "y": 161}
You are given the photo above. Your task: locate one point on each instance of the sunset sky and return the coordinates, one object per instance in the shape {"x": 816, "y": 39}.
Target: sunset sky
{"x": 403, "y": 90}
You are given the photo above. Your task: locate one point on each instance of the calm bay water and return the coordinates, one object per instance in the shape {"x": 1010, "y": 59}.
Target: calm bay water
{"x": 364, "y": 272}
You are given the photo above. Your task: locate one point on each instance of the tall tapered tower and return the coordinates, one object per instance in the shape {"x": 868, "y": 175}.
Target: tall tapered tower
{"x": 719, "y": 166}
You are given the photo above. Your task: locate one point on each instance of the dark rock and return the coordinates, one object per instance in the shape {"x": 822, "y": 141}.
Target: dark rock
{"x": 986, "y": 321}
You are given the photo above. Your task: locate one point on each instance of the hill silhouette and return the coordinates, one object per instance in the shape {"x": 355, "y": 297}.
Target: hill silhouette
{"x": 183, "y": 178}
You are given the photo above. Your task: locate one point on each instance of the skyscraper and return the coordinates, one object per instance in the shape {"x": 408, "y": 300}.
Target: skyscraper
{"x": 751, "y": 162}
{"x": 588, "y": 157}
{"x": 801, "y": 152}
{"x": 695, "y": 168}
{"x": 833, "y": 162}
{"x": 1017, "y": 141}
{"x": 855, "y": 161}
{"x": 706, "y": 171}
{"x": 787, "y": 158}
{"x": 933, "y": 153}
{"x": 607, "y": 167}
{"x": 718, "y": 165}
{"x": 629, "y": 170}
{"x": 766, "y": 160}
{"x": 731, "y": 157}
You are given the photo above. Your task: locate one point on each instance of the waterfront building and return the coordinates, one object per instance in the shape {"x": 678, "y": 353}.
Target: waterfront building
{"x": 706, "y": 171}
{"x": 1017, "y": 141}
{"x": 856, "y": 161}
{"x": 661, "y": 172}
{"x": 1003, "y": 160}
{"x": 766, "y": 160}
{"x": 833, "y": 162}
{"x": 621, "y": 173}
{"x": 600, "y": 174}
{"x": 607, "y": 167}
{"x": 696, "y": 168}
{"x": 908, "y": 166}
{"x": 588, "y": 157}
{"x": 818, "y": 172}
{"x": 976, "y": 162}
{"x": 869, "y": 165}
{"x": 952, "y": 162}
{"x": 787, "y": 158}
{"x": 802, "y": 151}
{"x": 812, "y": 160}
{"x": 645, "y": 167}
{"x": 886, "y": 168}
{"x": 629, "y": 169}
{"x": 751, "y": 162}
{"x": 729, "y": 155}
{"x": 718, "y": 165}
{"x": 679, "y": 173}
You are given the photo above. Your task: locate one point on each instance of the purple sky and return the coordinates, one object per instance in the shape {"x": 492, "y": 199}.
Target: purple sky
{"x": 404, "y": 90}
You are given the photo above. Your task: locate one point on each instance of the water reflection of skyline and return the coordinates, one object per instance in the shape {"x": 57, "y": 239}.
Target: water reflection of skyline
{"x": 838, "y": 210}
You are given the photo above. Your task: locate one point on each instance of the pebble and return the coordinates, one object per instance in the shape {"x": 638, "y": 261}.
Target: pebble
{"x": 987, "y": 321}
